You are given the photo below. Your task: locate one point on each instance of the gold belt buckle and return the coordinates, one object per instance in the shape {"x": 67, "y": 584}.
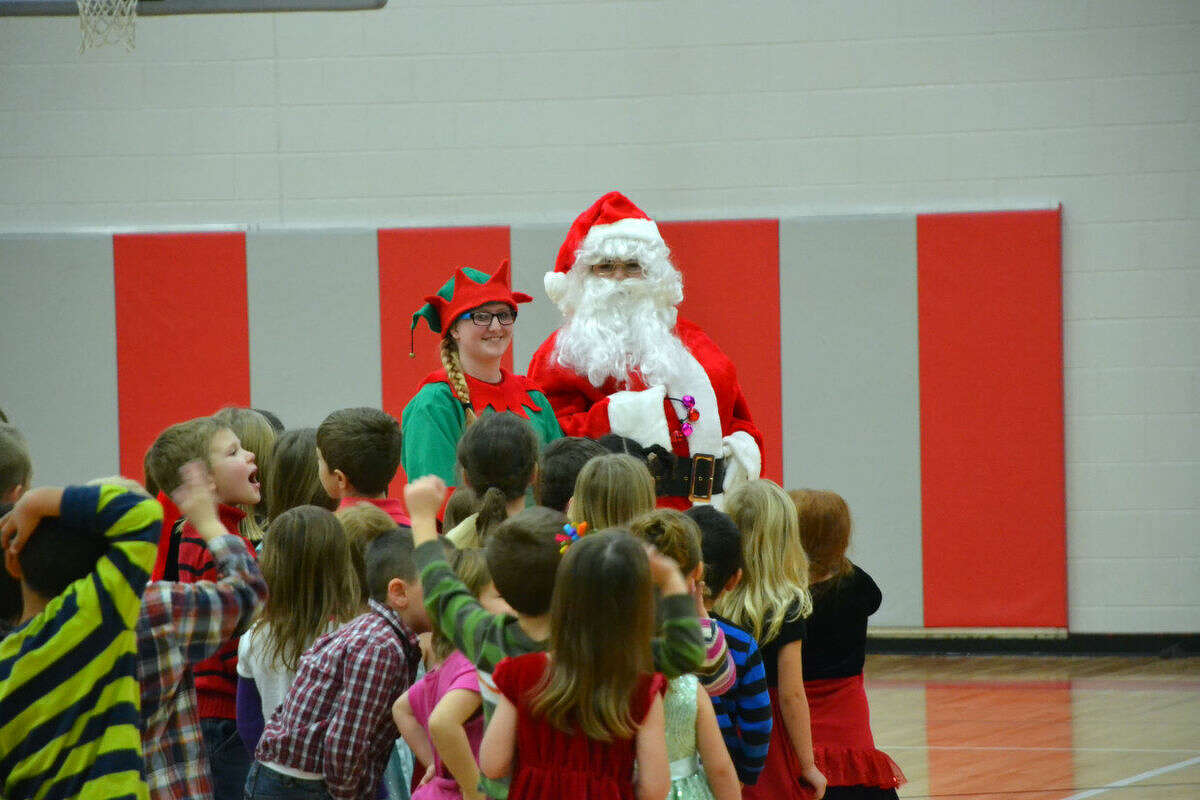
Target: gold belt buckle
{"x": 706, "y": 483}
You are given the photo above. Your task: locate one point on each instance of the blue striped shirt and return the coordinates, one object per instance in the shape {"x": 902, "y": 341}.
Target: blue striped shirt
{"x": 744, "y": 712}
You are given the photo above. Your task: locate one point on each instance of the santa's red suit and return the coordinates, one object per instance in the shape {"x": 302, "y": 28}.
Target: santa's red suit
{"x": 724, "y": 446}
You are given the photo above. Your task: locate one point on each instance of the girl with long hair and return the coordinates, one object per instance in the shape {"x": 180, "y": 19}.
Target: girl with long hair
{"x": 843, "y": 597}
{"x": 498, "y": 456}
{"x": 306, "y": 561}
{"x": 772, "y": 602}
{"x": 611, "y": 490}
{"x": 571, "y": 722}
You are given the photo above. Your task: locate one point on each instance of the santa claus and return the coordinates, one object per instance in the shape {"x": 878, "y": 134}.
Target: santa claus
{"x": 625, "y": 363}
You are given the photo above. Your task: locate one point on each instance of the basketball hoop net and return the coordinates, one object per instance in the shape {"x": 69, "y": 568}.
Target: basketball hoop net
{"x": 107, "y": 22}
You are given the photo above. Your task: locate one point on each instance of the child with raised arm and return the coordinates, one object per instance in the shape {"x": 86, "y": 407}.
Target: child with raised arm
{"x": 181, "y": 625}
{"x": 522, "y": 557}
{"x": 83, "y": 555}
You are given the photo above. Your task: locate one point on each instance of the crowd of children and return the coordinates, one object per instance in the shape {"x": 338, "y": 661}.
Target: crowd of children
{"x": 260, "y": 620}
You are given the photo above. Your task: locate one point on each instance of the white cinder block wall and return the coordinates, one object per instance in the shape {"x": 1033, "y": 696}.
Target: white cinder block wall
{"x": 489, "y": 111}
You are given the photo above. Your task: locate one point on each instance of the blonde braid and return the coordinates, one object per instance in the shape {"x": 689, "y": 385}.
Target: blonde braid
{"x": 454, "y": 373}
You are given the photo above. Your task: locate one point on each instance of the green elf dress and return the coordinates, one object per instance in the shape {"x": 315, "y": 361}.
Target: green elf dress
{"x": 434, "y": 420}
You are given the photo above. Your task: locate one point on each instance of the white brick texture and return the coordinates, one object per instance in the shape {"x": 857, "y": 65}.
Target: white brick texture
{"x": 489, "y": 111}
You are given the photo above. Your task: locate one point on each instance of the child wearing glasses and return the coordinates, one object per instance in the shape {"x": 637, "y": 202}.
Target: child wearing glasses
{"x": 475, "y": 314}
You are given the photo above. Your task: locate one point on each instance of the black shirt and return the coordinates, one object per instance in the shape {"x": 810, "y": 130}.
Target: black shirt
{"x": 836, "y": 646}
{"x": 793, "y": 630}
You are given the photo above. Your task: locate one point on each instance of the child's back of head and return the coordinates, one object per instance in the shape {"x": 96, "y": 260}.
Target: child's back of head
{"x": 558, "y": 468}
{"x": 175, "y": 446}
{"x": 720, "y": 547}
{"x": 498, "y": 456}
{"x": 389, "y": 556}
{"x": 523, "y": 556}
{"x": 363, "y": 523}
{"x": 57, "y": 555}
{"x": 306, "y": 562}
{"x": 364, "y": 445}
{"x": 824, "y": 521}
{"x": 601, "y": 623}
{"x": 16, "y": 467}
{"x": 612, "y": 490}
{"x": 774, "y": 584}
{"x": 673, "y": 534}
{"x": 293, "y": 479}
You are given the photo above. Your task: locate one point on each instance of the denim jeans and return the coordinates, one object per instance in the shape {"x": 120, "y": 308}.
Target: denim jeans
{"x": 227, "y": 757}
{"x": 264, "y": 783}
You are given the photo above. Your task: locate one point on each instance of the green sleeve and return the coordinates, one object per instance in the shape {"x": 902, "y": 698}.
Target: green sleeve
{"x": 431, "y": 424}
{"x": 544, "y": 421}
{"x": 680, "y": 648}
{"x": 456, "y": 612}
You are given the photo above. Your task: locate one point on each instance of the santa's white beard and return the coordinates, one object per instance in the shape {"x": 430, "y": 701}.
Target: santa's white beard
{"x": 616, "y": 328}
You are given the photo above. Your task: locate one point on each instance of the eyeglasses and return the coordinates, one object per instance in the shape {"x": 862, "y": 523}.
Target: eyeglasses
{"x": 606, "y": 269}
{"x": 484, "y": 318}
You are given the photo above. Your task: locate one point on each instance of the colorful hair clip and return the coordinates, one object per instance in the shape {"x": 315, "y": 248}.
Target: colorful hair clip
{"x": 571, "y": 533}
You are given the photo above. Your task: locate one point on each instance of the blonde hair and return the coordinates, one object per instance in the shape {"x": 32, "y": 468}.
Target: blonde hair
{"x": 674, "y": 534}
{"x": 306, "y": 563}
{"x": 257, "y": 435}
{"x": 363, "y": 523}
{"x": 455, "y": 376}
{"x": 601, "y": 623}
{"x": 824, "y": 520}
{"x": 612, "y": 490}
{"x": 775, "y": 574}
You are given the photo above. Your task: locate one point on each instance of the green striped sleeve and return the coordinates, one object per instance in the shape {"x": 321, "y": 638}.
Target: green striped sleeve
{"x": 456, "y": 612}
{"x": 680, "y": 647}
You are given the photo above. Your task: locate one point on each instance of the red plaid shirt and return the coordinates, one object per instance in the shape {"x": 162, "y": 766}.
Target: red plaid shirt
{"x": 181, "y": 625}
{"x": 336, "y": 720}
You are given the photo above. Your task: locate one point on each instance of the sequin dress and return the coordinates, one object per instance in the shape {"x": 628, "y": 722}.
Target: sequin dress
{"x": 688, "y": 781}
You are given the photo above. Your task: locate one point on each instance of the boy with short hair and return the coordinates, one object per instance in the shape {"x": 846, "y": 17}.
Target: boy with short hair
{"x": 16, "y": 468}
{"x": 744, "y": 711}
{"x": 333, "y": 732}
{"x": 358, "y": 452}
{"x": 233, "y": 478}
{"x": 558, "y": 466}
{"x": 69, "y": 722}
{"x": 183, "y": 624}
{"x": 522, "y": 558}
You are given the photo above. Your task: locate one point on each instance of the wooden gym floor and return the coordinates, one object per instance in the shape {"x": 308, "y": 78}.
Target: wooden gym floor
{"x": 1039, "y": 728}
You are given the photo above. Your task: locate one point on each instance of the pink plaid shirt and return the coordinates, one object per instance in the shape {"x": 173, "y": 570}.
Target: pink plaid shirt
{"x": 336, "y": 720}
{"x": 181, "y": 625}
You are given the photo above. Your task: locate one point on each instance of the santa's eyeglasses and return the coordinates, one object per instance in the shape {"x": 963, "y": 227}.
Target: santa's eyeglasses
{"x": 484, "y": 318}
{"x": 607, "y": 269}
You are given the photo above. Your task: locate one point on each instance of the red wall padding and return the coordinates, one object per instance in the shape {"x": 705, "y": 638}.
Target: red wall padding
{"x": 731, "y": 289}
{"x": 992, "y": 496}
{"x": 183, "y": 343}
{"x": 413, "y": 263}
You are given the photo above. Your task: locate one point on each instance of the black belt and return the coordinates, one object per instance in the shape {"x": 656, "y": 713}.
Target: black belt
{"x": 696, "y": 478}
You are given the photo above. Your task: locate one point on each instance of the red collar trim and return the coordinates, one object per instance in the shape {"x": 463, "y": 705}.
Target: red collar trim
{"x": 510, "y": 394}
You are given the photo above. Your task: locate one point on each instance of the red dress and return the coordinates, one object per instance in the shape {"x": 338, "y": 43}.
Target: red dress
{"x": 550, "y": 764}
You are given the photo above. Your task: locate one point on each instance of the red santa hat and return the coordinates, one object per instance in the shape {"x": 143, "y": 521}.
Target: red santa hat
{"x": 612, "y": 216}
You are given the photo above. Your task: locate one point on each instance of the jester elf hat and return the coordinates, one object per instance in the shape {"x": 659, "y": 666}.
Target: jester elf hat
{"x": 467, "y": 289}
{"x": 612, "y": 216}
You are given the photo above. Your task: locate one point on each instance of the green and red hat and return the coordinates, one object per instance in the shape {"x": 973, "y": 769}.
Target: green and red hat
{"x": 468, "y": 288}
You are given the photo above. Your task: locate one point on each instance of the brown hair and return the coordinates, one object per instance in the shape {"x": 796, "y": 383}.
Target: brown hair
{"x": 611, "y": 490}
{"x": 177, "y": 445}
{"x": 601, "y": 623}
{"x": 824, "y": 520}
{"x": 463, "y": 503}
{"x": 523, "y": 557}
{"x": 16, "y": 467}
{"x": 364, "y": 443}
{"x": 363, "y": 524}
{"x": 306, "y": 563}
{"x": 455, "y": 376}
{"x": 673, "y": 534}
{"x": 498, "y": 456}
{"x": 294, "y": 479}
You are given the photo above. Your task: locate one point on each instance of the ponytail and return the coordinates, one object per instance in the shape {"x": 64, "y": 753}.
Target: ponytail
{"x": 492, "y": 512}
{"x": 455, "y": 376}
